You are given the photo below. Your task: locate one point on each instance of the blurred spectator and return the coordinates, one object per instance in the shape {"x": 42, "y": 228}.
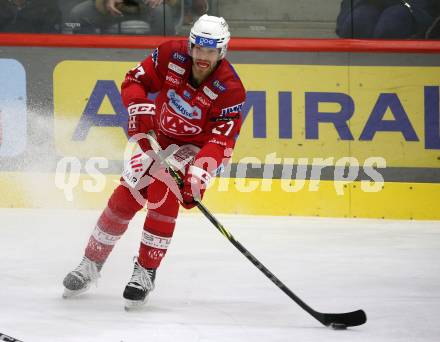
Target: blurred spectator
{"x": 194, "y": 9}
{"x": 389, "y": 19}
{"x": 30, "y": 16}
{"x": 101, "y": 16}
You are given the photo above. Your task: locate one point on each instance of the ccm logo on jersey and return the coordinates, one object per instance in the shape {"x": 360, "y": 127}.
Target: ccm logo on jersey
{"x": 175, "y": 124}
{"x": 176, "y": 68}
{"x": 209, "y": 93}
{"x": 233, "y": 109}
{"x": 180, "y": 106}
{"x": 142, "y": 108}
{"x": 179, "y": 57}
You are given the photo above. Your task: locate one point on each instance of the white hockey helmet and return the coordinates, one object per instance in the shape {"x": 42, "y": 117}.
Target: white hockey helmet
{"x": 210, "y": 31}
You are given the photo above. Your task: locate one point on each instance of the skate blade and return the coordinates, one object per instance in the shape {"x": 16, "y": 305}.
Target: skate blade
{"x": 134, "y": 304}
{"x": 73, "y": 293}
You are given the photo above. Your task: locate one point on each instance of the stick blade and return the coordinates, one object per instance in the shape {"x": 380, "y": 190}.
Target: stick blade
{"x": 349, "y": 319}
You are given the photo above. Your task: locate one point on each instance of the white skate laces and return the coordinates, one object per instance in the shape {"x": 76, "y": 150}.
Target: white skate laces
{"x": 88, "y": 270}
{"x": 140, "y": 285}
{"x": 142, "y": 278}
{"x": 80, "y": 279}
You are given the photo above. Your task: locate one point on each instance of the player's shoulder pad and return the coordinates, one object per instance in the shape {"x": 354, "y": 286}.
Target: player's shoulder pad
{"x": 172, "y": 55}
{"x": 227, "y": 92}
{"x": 226, "y": 81}
{"x": 229, "y": 105}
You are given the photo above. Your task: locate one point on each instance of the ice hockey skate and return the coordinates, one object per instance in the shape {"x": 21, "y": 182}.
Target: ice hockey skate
{"x": 80, "y": 279}
{"x": 140, "y": 285}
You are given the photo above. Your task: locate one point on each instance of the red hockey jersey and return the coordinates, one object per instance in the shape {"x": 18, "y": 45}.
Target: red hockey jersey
{"x": 208, "y": 116}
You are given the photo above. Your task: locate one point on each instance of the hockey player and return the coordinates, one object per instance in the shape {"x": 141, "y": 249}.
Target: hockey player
{"x": 198, "y": 108}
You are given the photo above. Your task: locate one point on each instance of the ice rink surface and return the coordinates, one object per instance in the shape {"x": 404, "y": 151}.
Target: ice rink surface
{"x": 207, "y": 291}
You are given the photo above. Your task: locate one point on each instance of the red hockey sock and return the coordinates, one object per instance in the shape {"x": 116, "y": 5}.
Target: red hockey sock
{"x": 112, "y": 224}
{"x": 159, "y": 225}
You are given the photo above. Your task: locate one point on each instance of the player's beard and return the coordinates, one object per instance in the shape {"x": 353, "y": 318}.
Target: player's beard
{"x": 204, "y": 67}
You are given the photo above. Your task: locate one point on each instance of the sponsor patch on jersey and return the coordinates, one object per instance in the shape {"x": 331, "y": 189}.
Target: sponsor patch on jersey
{"x": 130, "y": 78}
{"x": 218, "y": 142}
{"x": 203, "y": 100}
{"x": 225, "y": 118}
{"x": 220, "y": 86}
{"x": 175, "y": 124}
{"x": 186, "y": 94}
{"x": 155, "y": 56}
{"x": 232, "y": 109}
{"x": 175, "y": 81}
{"x": 209, "y": 93}
{"x": 179, "y": 57}
{"x": 176, "y": 68}
{"x": 181, "y": 107}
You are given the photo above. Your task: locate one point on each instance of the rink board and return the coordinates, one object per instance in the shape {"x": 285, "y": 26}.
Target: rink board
{"x": 226, "y": 195}
{"x": 302, "y": 108}
{"x": 294, "y": 111}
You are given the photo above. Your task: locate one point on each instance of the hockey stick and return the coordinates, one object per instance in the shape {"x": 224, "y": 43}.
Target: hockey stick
{"x": 7, "y": 338}
{"x": 335, "y": 320}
